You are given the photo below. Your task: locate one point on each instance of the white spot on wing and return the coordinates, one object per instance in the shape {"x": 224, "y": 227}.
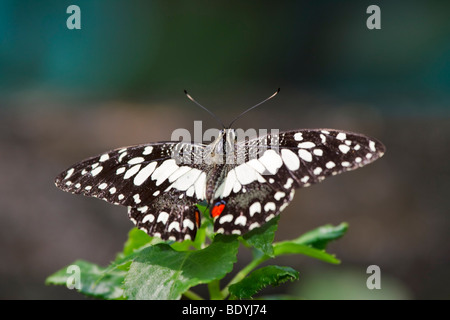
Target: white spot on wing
{"x": 245, "y": 174}
{"x": 298, "y": 136}
{"x": 279, "y": 195}
{"x": 96, "y": 171}
{"x": 271, "y": 160}
{"x": 226, "y": 218}
{"x": 132, "y": 171}
{"x": 288, "y": 184}
{"x": 162, "y": 217}
{"x": 253, "y": 226}
{"x": 178, "y": 173}
{"x": 344, "y": 148}
{"x": 290, "y": 159}
{"x": 229, "y": 183}
{"x": 187, "y": 180}
{"x": 318, "y": 152}
{"x": 122, "y": 155}
{"x": 189, "y": 192}
{"x": 164, "y": 171}
{"x": 317, "y": 171}
{"x": 69, "y": 173}
{"x": 104, "y": 157}
{"x": 188, "y": 224}
{"x": 284, "y": 206}
{"x": 136, "y": 198}
{"x": 174, "y": 225}
{"x": 136, "y": 160}
{"x": 145, "y": 172}
{"x": 305, "y": 155}
{"x": 372, "y": 146}
{"x": 258, "y": 166}
{"x": 200, "y": 186}
{"x": 306, "y": 145}
{"x": 269, "y": 206}
{"x": 242, "y": 220}
{"x": 148, "y": 218}
{"x": 237, "y": 187}
{"x": 341, "y": 136}
{"x": 330, "y": 164}
{"x": 255, "y": 208}
{"x": 147, "y": 150}
{"x": 143, "y": 209}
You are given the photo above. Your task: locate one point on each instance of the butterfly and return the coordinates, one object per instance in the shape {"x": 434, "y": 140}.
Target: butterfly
{"x": 244, "y": 182}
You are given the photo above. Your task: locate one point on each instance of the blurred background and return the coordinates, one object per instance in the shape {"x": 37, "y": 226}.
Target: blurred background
{"x": 66, "y": 95}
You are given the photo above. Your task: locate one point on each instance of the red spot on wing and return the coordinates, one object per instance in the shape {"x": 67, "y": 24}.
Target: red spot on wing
{"x": 217, "y": 210}
{"x": 197, "y": 217}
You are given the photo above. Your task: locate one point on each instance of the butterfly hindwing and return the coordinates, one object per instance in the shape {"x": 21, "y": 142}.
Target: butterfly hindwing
{"x": 171, "y": 216}
{"x": 245, "y": 211}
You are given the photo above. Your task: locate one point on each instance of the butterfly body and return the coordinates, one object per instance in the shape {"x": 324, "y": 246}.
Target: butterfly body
{"x": 245, "y": 182}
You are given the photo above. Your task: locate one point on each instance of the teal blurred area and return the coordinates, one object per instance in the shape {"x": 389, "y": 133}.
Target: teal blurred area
{"x": 153, "y": 48}
{"x": 66, "y": 95}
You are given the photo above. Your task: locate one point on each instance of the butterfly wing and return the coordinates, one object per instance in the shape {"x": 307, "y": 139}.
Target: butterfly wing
{"x": 261, "y": 187}
{"x": 159, "y": 182}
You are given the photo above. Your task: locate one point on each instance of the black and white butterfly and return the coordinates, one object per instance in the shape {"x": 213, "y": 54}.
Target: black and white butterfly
{"x": 162, "y": 183}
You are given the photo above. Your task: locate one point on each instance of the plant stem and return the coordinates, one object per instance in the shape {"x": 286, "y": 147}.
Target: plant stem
{"x": 243, "y": 273}
{"x": 214, "y": 290}
{"x": 192, "y": 295}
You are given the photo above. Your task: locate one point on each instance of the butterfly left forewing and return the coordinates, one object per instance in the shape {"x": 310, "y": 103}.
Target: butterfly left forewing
{"x": 160, "y": 190}
{"x": 128, "y": 176}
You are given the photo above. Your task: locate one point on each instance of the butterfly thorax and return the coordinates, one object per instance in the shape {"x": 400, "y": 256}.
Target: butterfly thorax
{"x": 217, "y": 158}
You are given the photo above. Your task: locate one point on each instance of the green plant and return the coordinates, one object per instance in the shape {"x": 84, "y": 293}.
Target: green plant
{"x": 148, "y": 268}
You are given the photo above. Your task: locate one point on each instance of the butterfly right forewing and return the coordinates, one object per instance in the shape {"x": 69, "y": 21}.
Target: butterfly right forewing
{"x": 260, "y": 188}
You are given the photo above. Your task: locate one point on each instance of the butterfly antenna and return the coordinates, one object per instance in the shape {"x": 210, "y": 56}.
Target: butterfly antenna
{"x": 212, "y": 114}
{"x": 267, "y": 99}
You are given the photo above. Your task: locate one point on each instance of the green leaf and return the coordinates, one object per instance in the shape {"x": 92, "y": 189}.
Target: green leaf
{"x": 262, "y": 238}
{"x": 136, "y": 240}
{"x": 93, "y": 280}
{"x": 287, "y": 247}
{"x": 320, "y": 237}
{"x": 261, "y": 278}
{"x": 160, "y": 272}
